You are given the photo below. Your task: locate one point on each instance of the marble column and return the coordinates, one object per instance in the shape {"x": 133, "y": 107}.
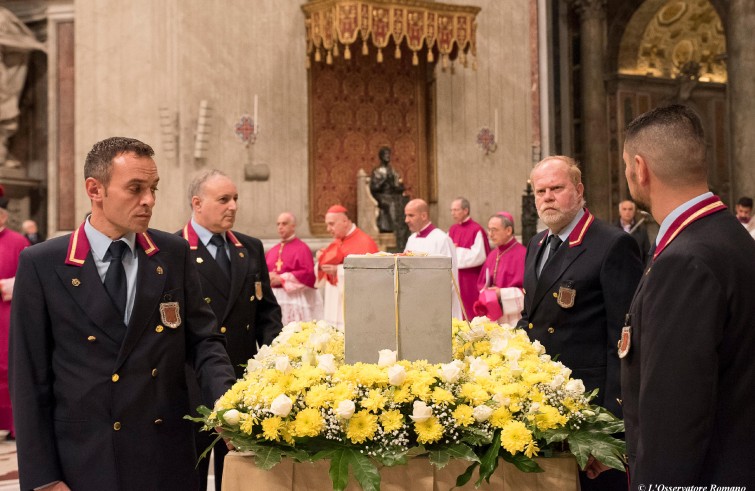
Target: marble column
{"x": 740, "y": 64}
{"x": 594, "y": 114}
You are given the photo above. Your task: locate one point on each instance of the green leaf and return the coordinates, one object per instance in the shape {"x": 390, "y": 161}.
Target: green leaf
{"x": 339, "y": 469}
{"x": 464, "y": 478}
{"x": 416, "y": 451}
{"x": 556, "y": 435}
{"x": 392, "y": 458}
{"x": 522, "y": 462}
{"x": 605, "y": 448}
{"x": 440, "y": 456}
{"x": 208, "y": 449}
{"x": 476, "y": 437}
{"x": 267, "y": 457}
{"x": 489, "y": 461}
{"x": 364, "y": 470}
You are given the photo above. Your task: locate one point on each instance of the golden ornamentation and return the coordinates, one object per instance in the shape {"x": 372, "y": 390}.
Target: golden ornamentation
{"x": 334, "y": 25}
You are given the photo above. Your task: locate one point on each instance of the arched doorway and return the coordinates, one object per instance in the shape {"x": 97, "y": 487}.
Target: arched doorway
{"x": 671, "y": 51}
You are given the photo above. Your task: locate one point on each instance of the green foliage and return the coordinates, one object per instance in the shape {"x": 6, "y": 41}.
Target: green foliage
{"x": 441, "y": 455}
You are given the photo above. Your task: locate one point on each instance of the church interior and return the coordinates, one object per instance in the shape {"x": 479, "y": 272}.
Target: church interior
{"x": 292, "y": 98}
{"x": 295, "y": 101}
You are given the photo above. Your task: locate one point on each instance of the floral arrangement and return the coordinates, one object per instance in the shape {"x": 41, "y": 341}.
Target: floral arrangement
{"x": 501, "y": 396}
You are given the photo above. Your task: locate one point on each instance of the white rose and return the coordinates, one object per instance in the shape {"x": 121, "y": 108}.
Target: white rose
{"x": 482, "y": 413}
{"x": 478, "y": 331}
{"x": 501, "y": 400}
{"x": 478, "y": 367}
{"x": 322, "y": 325}
{"x": 545, "y": 358}
{"x": 534, "y": 407}
{"x": 450, "y": 372}
{"x": 539, "y": 348}
{"x": 318, "y": 340}
{"x": 232, "y": 416}
{"x": 557, "y": 382}
{"x": 253, "y": 365}
{"x": 386, "y": 357}
{"x": 498, "y": 343}
{"x": 263, "y": 352}
{"x": 421, "y": 412}
{"x": 513, "y": 354}
{"x": 345, "y": 409}
{"x": 575, "y": 386}
{"x": 281, "y": 406}
{"x": 291, "y": 327}
{"x": 327, "y": 363}
{"x": 282, "y": 364}
{"x": 396, "y": 375}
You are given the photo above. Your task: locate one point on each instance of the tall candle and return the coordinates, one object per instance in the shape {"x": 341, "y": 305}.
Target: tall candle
{"x": 495, "y": 127}
{"x": 256, "y": 120}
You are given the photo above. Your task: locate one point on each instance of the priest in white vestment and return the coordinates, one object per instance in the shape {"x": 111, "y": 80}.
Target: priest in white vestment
{"x": 427, "y": 238}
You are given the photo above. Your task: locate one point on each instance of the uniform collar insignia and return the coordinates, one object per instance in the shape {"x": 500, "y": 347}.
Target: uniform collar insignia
{"x": 695, "y": 212}
{"x": 190, "y": 235}
{"x": 578, "y": 234}
{"x": 78, "y": 246}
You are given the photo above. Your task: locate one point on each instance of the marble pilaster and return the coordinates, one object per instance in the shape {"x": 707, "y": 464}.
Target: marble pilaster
{"x": 594, "y": 114}
{"x": 741, "y": 69}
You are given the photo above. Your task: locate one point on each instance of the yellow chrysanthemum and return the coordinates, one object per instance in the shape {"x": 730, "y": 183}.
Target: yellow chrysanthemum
{"x": 442, "y": 396}
{"x": 500, "y": 417}
{"x": 362, "y": 426}
{"x": 474, "y": 394}
{"x": 531, "y": 378}
{"x": 391, "y": 420}
{"x": 548, "y": 417}
{"x": 370, "y": 375}
{"x": 308, "y": 422}
{"x": 342, "y": 391}
{"x": 317, "y": 396}
{"x": 515, "y": 437}
{"x": 532, "y": 449}
{"x": 271, "y": 428}
{"x": 403, "y": 394}
{"x": 429, "y": 431}
{"x": 247, "y": 423}
{"x": 287, "y": 432}
{"x": 463, "y": 414}
{"x": 375, "y": 401}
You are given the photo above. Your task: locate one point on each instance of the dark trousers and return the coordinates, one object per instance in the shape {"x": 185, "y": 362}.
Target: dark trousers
{"x": 204, "y": 439}
{"x": 611, "y": 480}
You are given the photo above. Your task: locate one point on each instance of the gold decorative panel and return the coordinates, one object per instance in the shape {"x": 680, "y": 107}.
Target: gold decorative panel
{"x": 684, "y": 39}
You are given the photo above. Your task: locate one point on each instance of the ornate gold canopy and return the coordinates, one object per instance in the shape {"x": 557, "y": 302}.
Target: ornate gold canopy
{"x": 420, "y": 25}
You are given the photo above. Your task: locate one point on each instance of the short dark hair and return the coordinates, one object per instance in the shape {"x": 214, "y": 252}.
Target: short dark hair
{"x": 505, "y": 221}
{"x": 745, "y": 201}
{"x": 99, "y": 161}
{"x": 672, "y": 141}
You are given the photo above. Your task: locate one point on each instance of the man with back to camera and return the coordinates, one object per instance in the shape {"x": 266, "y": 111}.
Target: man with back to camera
{"x": 103, "y": 323}
{"x": 579, "y": 278}
{"x": 688, "y": 379}
{"x": 235, "y": 283}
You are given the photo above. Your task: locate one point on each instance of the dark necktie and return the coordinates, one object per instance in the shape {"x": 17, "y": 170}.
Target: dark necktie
{"x": 115, "y": 278}
{"x": 554, "y": 241}
{"x": 220, "y": 255}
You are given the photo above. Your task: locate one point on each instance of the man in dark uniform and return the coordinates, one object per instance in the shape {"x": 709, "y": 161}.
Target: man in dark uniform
{"x": 579, "y": 277}
{"x": 235, "y": 283}
{"x": 103, "y": 323}
{"x": 630, "y": 223}
{"x": 688, "y": 377}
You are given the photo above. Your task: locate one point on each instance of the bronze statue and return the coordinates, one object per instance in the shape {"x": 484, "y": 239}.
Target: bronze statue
{"x": 387, "y": 188}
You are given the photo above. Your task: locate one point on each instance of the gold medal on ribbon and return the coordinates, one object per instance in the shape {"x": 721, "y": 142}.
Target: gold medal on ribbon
{"x": 170, "y": 314}
{"x": 258, "y": 289}
{"x": 566, "y": 295}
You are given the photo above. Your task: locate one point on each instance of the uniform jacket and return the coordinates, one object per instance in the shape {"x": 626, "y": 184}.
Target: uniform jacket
{"x": 247, "y": 311}
{"x": 601, "y": 265}
{"x": 640, "y": 234}
{"x": 688, "y": 379}
{"x": 92, "y": 410}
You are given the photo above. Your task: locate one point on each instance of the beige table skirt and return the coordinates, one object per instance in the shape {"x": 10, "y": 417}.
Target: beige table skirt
{"x": 240, "y": 474}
